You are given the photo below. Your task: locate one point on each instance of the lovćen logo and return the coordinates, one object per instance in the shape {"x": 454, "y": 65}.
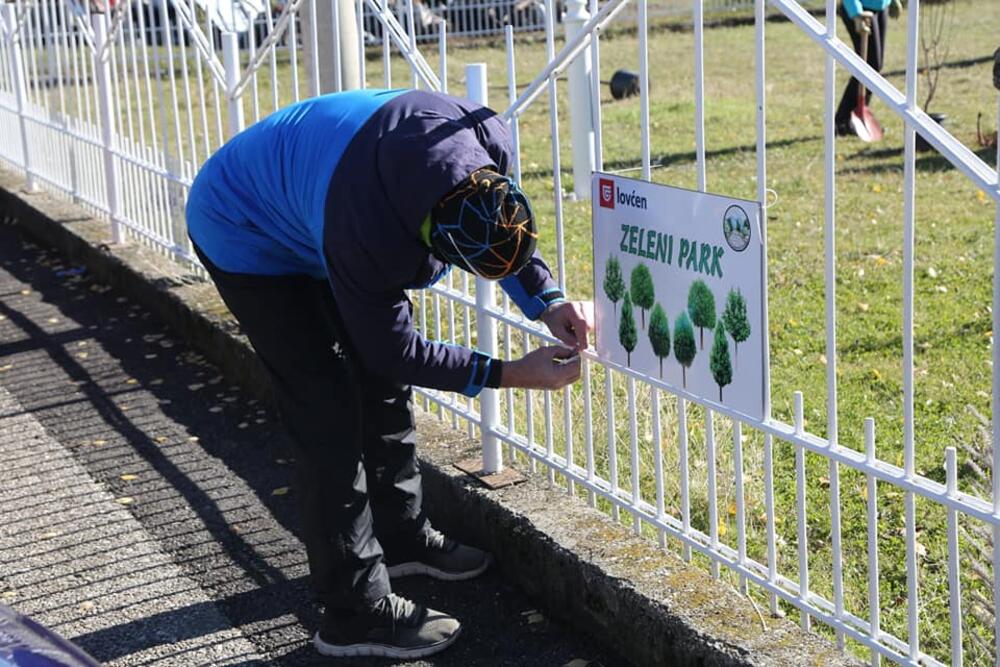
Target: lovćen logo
{"x": 607, "y": 190}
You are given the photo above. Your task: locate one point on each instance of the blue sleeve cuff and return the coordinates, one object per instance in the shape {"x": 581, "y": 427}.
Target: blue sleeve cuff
{"x": 531, "y": 306}
{"x": 480, "y": 375}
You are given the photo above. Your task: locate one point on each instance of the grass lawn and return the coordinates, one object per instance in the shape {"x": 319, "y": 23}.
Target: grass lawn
{"x": 953, "y": 284}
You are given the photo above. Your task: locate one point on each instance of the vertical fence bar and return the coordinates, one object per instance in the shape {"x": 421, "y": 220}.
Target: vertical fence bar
{"x": 588, "y": 431}
{"x": 654, "y": 399}
{"x": 772, "y": 540}
{"x": 359, "y": 13}
{"x": 996, "y": 400}
{"x": 338, "y": 41}
{"x": 634, "y": 453}
{"x": 609, "y": 397}
{"x": 595, "y": 84}
{"x": 443, "y": 54}
{"x": 386, "y": 45}
{"x": 550, "y": 52}
{"x": 313, "y": 51}
{"x": 486, "y": 328}
{"x": 837, "y": 553}
{"x": 231, "y": 63}
{"x": 18, "y": 75}
{"x": 644, "y": 88}
{"x": 550, "y": 448}
{"x": 741, "y": 527}
{"x": 515, "y": 126}
{"x": 682, "y": 429}
{"x": 954, "y": 583}
{"x": 102, "y": 67}
{"x": 412, "y": 29}
{"x": 568, "y": 434}
{"x": 909, "y": 186}
{"x": 830, "y": 242}
{"x": 699, "y": 93}
{"x": 800, "y": 511}
{"x": 713, "y": 501}
{"x": 874, "y": 605}
{"x": 579, "y": 80}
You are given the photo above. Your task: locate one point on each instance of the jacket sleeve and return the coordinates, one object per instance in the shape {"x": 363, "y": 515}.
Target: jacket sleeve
{"x": 380, "y": 329}
{"x": 533, "y": 288}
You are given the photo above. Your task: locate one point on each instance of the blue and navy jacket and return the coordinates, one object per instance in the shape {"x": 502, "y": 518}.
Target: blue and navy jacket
{"x": 337, "y": 187}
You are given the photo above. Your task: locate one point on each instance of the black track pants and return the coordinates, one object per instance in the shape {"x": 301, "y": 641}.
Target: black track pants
{"x": 356, "y": 467}
{"x": 876, "y": 56}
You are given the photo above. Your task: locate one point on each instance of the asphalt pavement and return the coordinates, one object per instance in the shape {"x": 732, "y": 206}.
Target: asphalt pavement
{"x": 146, "y": 508}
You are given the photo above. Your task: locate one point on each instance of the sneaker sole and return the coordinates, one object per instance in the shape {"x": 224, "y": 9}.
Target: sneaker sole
{"x": 381, "y": 650}
{"x": 416, "y": 567}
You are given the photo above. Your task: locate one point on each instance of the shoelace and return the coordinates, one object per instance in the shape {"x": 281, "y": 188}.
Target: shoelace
{"x": 397, "y": 608}
{"x": 434, "y": 539}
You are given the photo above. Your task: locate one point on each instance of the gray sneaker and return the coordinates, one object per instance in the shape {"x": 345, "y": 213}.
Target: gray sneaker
{"x": 393, "y": 627}
{"x": 439, "y": 557}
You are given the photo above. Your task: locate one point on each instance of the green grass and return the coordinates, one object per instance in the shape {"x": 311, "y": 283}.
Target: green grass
{"x": 952, "y": 283}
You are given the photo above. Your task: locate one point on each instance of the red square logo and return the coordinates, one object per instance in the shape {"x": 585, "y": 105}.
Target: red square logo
{"x": 606, "y": 190}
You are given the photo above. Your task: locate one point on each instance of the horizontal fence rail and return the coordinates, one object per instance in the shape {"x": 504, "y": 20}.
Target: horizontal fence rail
{"x": 117, "y": 112}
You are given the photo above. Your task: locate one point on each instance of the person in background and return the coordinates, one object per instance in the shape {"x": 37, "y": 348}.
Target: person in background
{"x": 864, "y": 18}
{"x": 313, "y": 223}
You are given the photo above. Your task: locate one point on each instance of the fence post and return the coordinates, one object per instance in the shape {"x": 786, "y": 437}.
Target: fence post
{"x": 20, "y": 88}
{"x": 106, "y": 104}
{"x": 231, "y": 64}
{"x": 581, "y": 119}
{"x": 486, "y": 328}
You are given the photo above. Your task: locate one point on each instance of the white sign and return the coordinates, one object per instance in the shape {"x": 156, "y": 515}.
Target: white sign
{"x": 678, "y": 288}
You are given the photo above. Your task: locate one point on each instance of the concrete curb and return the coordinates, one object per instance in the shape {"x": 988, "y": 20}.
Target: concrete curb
{"x": 647, "y": 605}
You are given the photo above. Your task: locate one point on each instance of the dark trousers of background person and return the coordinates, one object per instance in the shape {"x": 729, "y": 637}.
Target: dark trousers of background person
{"x": 876, "y": 56}
{"x": 353, "y": 433}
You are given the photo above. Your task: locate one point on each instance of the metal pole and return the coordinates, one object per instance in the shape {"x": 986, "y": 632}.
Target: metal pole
{"x": 581, "y": 118}
{"x": 486, "y": 328}
{"x": 231, "y": 63}
{"x": 20, "y": 89}
{"x": 106, "y": 100}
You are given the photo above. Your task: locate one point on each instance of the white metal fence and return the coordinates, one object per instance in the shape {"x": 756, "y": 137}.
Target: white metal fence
{"x": 91, "y": 110}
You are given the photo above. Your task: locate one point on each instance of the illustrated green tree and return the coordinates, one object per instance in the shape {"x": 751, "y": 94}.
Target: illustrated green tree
{"x": 627, "y": 334}
{"x": 701, "y": 307}
{"x": 684, "y": 345}
{"x": 735, "y": 318}
{"x": 641, "y": 289}
{"x": 659, "y": 334}
{"x": 614, "y": 284}
{"x": 718, "y": 360}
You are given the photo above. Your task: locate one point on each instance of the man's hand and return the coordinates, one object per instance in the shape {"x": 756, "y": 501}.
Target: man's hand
{"x": 895, "y": 8}
{"x": 543, "y": 368}
{"x": 863, "y": 22}
{"x": 570, "y": 322}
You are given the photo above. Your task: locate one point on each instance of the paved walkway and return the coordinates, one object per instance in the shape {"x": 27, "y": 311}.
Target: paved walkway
{"x": 146, "y": 505}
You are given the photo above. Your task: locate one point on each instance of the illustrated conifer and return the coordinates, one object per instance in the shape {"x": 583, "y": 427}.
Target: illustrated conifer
{"x": 735, "y": 318}
{"x": 641, "y": 289}
{"x": 701, "y": 307}
{"x": 627, "y": 334}
{"x": 659, "y": 334}
{"x": 684, "y": 345}
{"x": 718, "y": 360}
{"x": 614, "y": 284}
